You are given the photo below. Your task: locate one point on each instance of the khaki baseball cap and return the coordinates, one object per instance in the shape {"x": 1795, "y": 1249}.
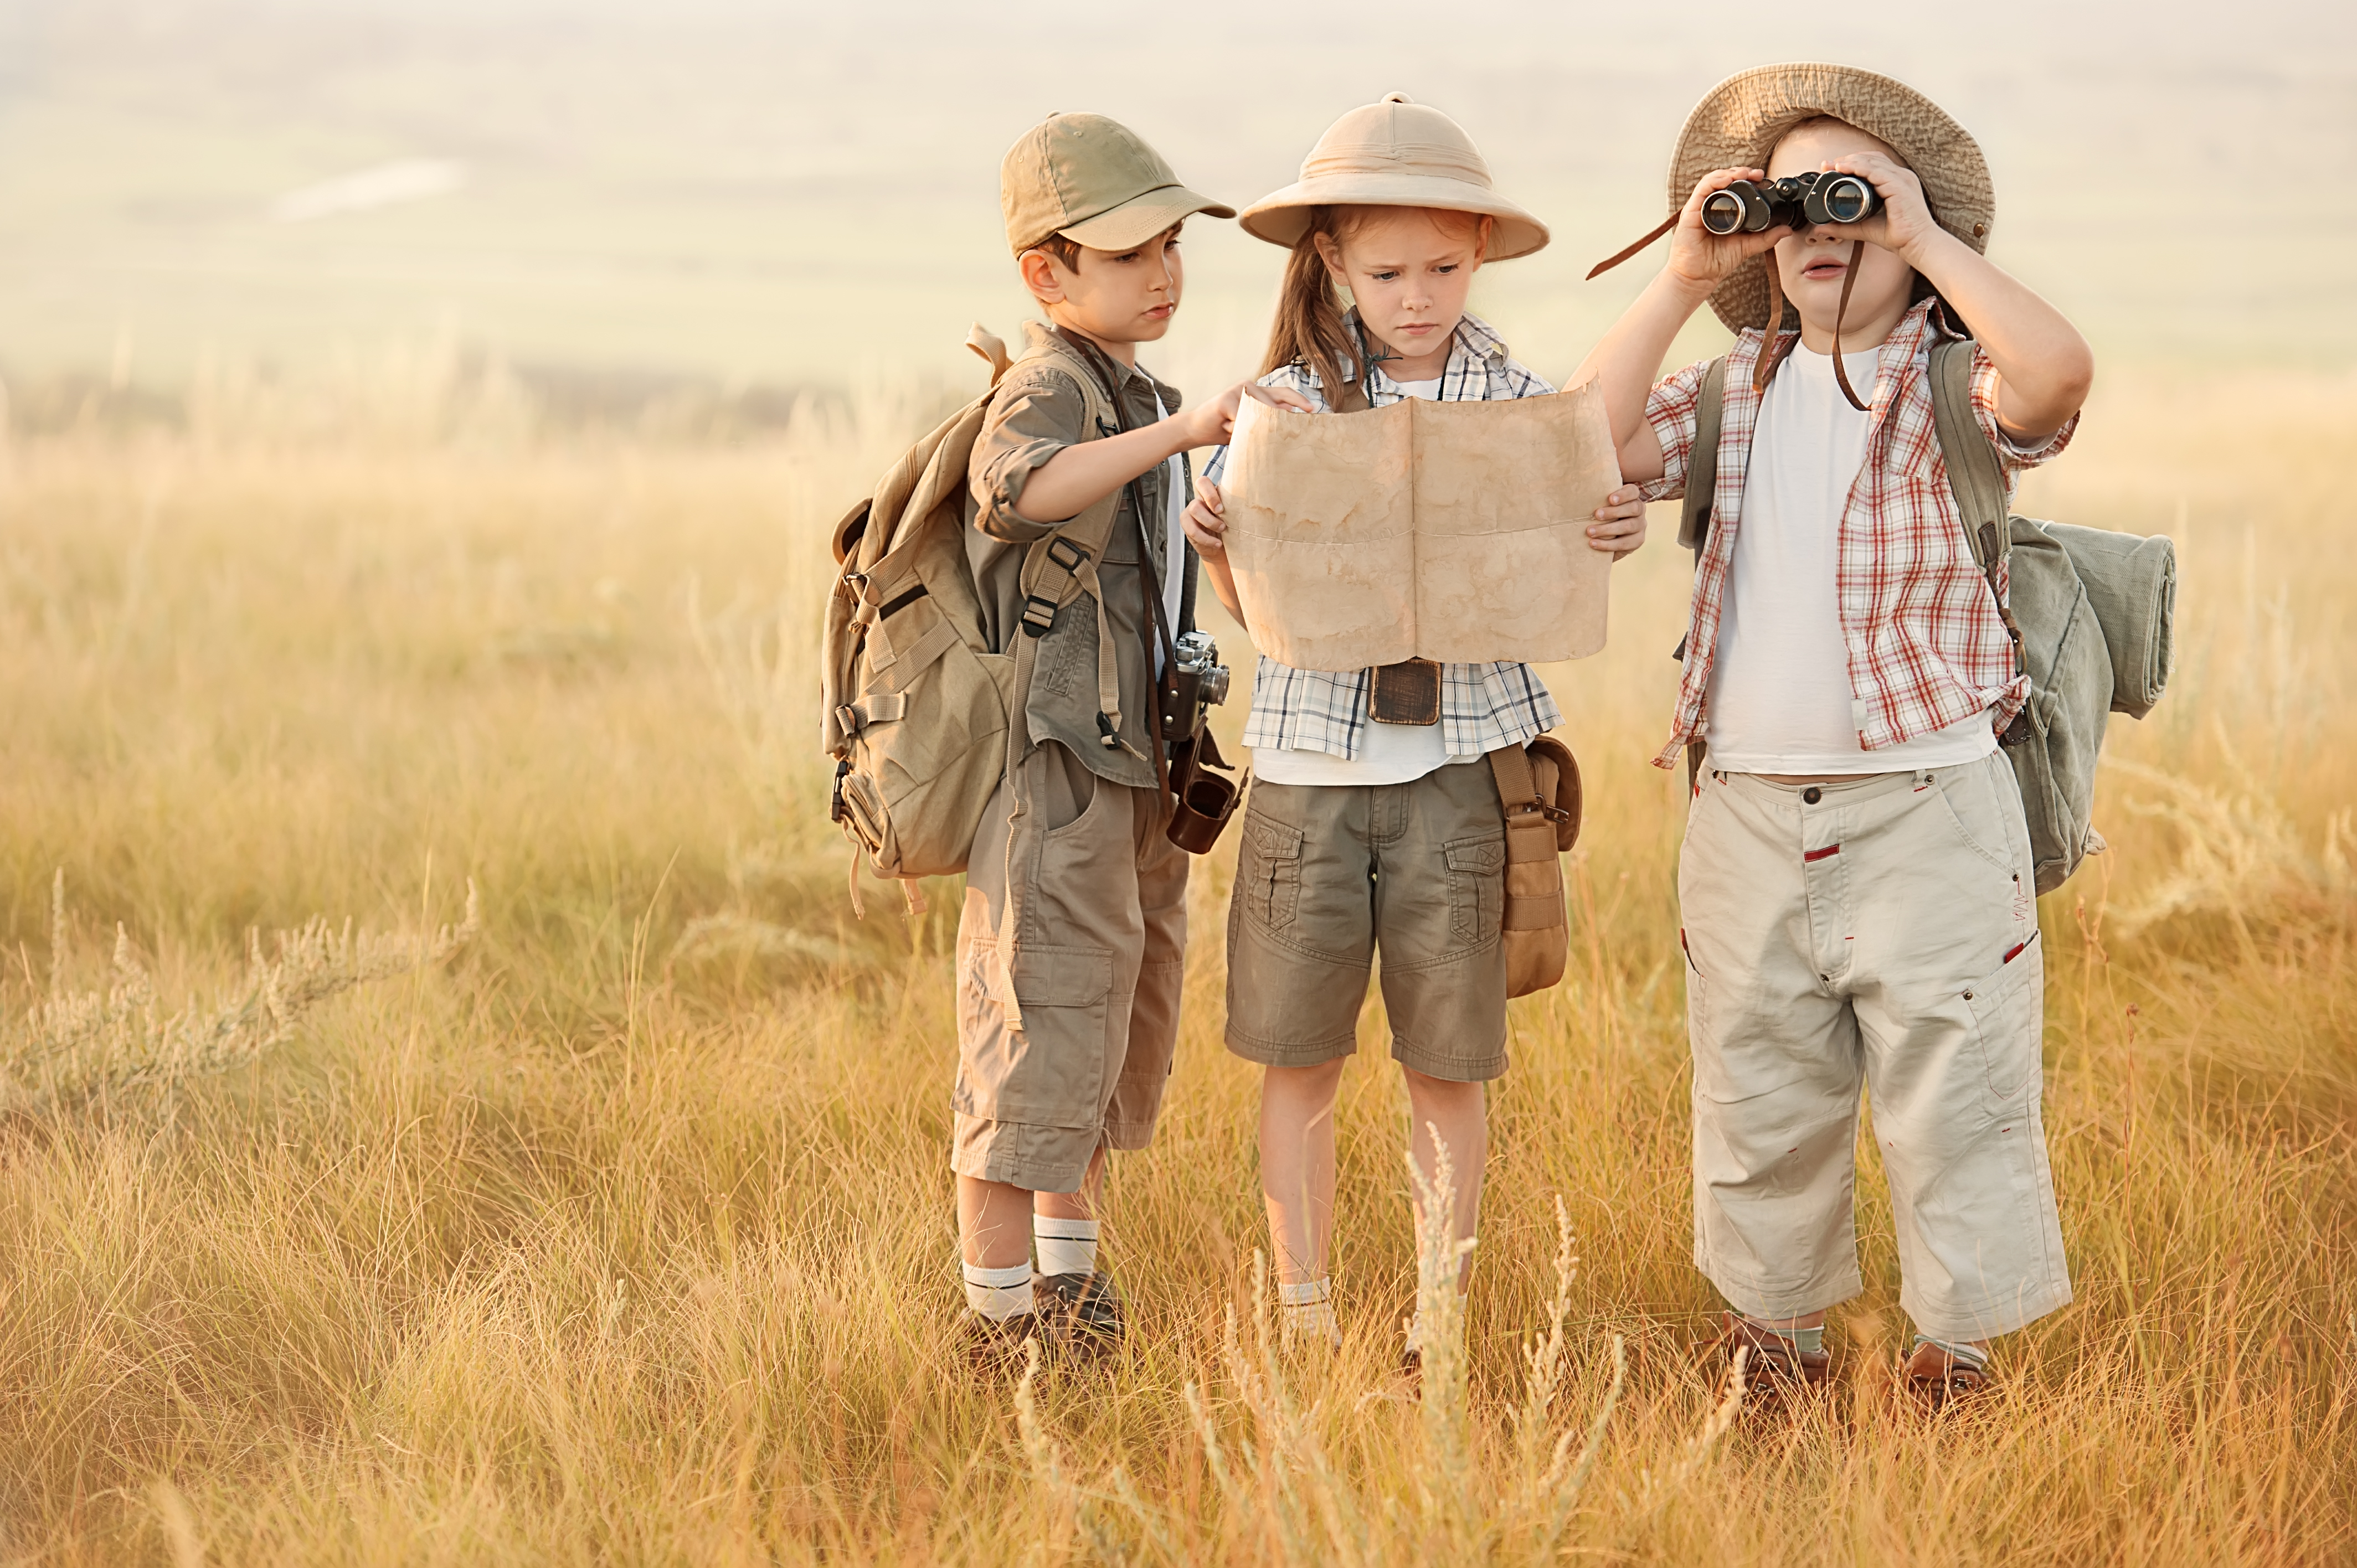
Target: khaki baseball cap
{"x": 1094, "y": 182}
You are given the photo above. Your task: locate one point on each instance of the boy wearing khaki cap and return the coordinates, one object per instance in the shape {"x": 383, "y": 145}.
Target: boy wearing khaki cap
{"x": 1072, "y": 937}
{"x": 1857, "y": 884}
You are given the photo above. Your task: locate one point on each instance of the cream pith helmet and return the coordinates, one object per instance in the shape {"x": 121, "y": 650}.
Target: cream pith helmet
{"x": 1739, "y": 122}
{"x": 1095, "y": 182}
{"x": 1394, "y": 152}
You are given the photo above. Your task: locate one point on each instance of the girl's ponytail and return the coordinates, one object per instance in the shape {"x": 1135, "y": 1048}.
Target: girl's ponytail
{"x": 1309, "y": 327}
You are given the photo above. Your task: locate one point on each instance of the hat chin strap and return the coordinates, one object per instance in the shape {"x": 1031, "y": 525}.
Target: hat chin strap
{"x": 1774, "y": 351}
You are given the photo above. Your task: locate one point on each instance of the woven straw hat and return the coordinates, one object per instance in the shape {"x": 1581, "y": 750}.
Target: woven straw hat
{"x": 1739, "y": 122}
{"x": 1395, "y": 153}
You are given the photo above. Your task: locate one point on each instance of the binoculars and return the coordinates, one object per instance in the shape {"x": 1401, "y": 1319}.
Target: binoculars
{"x": 1748, "y": 207}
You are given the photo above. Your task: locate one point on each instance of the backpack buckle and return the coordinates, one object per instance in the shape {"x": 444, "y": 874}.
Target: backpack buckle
{"x": 1079, "y": 556}
{"x": 1038, "y": 615}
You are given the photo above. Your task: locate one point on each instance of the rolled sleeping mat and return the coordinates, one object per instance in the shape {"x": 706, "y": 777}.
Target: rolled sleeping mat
{"x": 2131, "y": 583}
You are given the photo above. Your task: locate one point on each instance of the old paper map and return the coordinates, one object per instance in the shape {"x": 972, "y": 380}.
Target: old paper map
{"x": 1447, "y": 530}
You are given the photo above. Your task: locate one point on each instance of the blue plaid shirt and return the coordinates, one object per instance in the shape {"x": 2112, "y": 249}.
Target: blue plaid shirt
{"x": 1482, "y": 706}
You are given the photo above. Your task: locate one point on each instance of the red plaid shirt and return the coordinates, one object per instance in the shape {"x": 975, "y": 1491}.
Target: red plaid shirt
{"x": 1926, "y": 647}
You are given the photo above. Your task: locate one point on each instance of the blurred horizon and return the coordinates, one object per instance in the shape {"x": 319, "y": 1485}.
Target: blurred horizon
{"x": 803, "y": 197}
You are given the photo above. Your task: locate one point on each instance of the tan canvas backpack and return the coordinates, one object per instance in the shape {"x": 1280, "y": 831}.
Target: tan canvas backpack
{"x": 916, "y": 704}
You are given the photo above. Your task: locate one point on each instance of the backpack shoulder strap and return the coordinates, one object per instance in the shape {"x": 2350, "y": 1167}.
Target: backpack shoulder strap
{"x": 1702, "y": 463}
{"x": 1976, "y": 477}
{"x": 1058, "y": 568}
{"x": 1974, "y": 474}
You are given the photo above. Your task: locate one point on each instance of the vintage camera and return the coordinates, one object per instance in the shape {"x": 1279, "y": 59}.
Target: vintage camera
{"x": 1801, "y": 200}
{"x": 1198, "y": 680}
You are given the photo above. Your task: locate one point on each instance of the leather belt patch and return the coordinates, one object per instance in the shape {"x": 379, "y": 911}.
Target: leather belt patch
{"x": 1408, "y": 692}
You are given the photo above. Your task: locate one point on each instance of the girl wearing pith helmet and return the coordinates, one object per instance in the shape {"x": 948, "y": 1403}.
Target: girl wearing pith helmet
{"x": 1375, "y": 820}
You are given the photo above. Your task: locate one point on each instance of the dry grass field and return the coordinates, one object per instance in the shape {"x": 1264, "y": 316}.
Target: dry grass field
{"x": 612, "y": 1223}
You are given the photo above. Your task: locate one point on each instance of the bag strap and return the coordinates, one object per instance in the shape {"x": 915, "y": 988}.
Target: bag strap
{"x": 1975, "y": 476}
{"x": 1702, "y": 461}
{"x": 1060, "y": 567}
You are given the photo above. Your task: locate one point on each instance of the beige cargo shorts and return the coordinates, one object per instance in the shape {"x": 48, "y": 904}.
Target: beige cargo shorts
{"x": 1884, "y": 932}
{"x": 1326, "y": 875}
{"x": 1070, "y": 950}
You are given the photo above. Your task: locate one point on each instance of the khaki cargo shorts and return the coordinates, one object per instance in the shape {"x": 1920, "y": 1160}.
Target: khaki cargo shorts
{"x": 1326, "y": 875}
{"x": 1070, "y": 951}
{"x": 1880, "y": 933}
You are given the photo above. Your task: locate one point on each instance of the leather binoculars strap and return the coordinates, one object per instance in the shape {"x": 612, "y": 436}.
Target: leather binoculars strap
{"x": 1607, "y": 264}
{"x": 1849, "y": 281}
{"x": 1408, "y": 692}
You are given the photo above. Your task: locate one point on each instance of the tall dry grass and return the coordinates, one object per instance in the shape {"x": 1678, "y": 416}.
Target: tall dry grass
{"x": 620, "y": 1229}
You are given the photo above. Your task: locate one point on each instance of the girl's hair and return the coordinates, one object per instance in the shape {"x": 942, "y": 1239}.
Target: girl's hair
{"x": 1310, "y": 329}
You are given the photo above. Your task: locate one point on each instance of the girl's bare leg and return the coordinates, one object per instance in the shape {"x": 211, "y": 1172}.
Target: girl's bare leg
{"x": 1459, "y": 1112}
{"x": 1297, "y": 1166}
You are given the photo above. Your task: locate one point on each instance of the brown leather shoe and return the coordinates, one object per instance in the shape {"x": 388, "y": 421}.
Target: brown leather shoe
{"x": 996, "y": 1347}
{"x": 1776, "y": 1366}
{"x": 1935, "y": 1380}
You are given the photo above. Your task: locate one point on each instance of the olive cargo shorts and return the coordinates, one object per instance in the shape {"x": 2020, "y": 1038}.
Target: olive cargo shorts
{"x": 1329, "y": 872}
{"x": 1072, "y": 1048}
{"x": 1883, "y": 929}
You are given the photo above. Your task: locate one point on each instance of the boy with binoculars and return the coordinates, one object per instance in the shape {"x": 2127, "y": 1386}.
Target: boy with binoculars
{"x": 1855, "y": 885}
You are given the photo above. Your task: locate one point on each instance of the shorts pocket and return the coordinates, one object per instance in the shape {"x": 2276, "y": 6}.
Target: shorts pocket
{"x": 1477, "y": 886}
{"x": 1980, "y": 812}
{"x": 1051, "y": 1072}
{"x": 1268, "y": 879}
{"x": 2009, "y": 1007}
{"x": 1697, "y": 994}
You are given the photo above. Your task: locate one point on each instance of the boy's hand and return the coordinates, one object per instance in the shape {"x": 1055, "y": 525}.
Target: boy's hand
{"x": 1206, "y": 521}
{"x": 1208, "y": 425}
{"x": 1701, "y": 260}
{"x": 1905, "y": 224}
{"x": 1620, "y": 525}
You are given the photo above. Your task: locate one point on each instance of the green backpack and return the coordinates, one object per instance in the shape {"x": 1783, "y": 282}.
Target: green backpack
{"x": 2090, "y": 613}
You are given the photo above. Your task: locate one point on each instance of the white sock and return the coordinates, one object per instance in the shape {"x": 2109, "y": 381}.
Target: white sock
{"x": 1064, "y": 1246}
{"x": 1969, "y": 1356}
{"x": 1306, "y": 1310}
{"x": 999, "y": 1294}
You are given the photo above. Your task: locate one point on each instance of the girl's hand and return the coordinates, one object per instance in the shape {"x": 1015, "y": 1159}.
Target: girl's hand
{"x": 1701, "y": 260}
{"x": 1209, "y": 424}
{"x": 1620, "y": 525}
{"x": 1206, "y": 521}
{"x": 1905, "y": 224}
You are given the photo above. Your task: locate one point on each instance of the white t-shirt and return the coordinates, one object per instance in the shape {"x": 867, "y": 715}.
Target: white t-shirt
{"x": 1388, "y": 754}
{"x": 1780, "y": 694}
{"x": 1174, "y": 540}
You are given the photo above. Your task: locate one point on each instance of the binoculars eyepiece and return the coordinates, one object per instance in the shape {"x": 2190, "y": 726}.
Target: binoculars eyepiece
{"x": 1801, "y": 200}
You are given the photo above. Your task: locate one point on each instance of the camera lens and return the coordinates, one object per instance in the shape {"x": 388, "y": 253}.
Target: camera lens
{"x": 1215, "y": 685}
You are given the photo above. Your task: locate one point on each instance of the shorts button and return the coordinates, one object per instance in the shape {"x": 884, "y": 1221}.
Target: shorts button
{"x": 1811, "y": 795}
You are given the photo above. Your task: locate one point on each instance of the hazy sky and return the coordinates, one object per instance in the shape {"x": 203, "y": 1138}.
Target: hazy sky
{"x": 805, "y": 194}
